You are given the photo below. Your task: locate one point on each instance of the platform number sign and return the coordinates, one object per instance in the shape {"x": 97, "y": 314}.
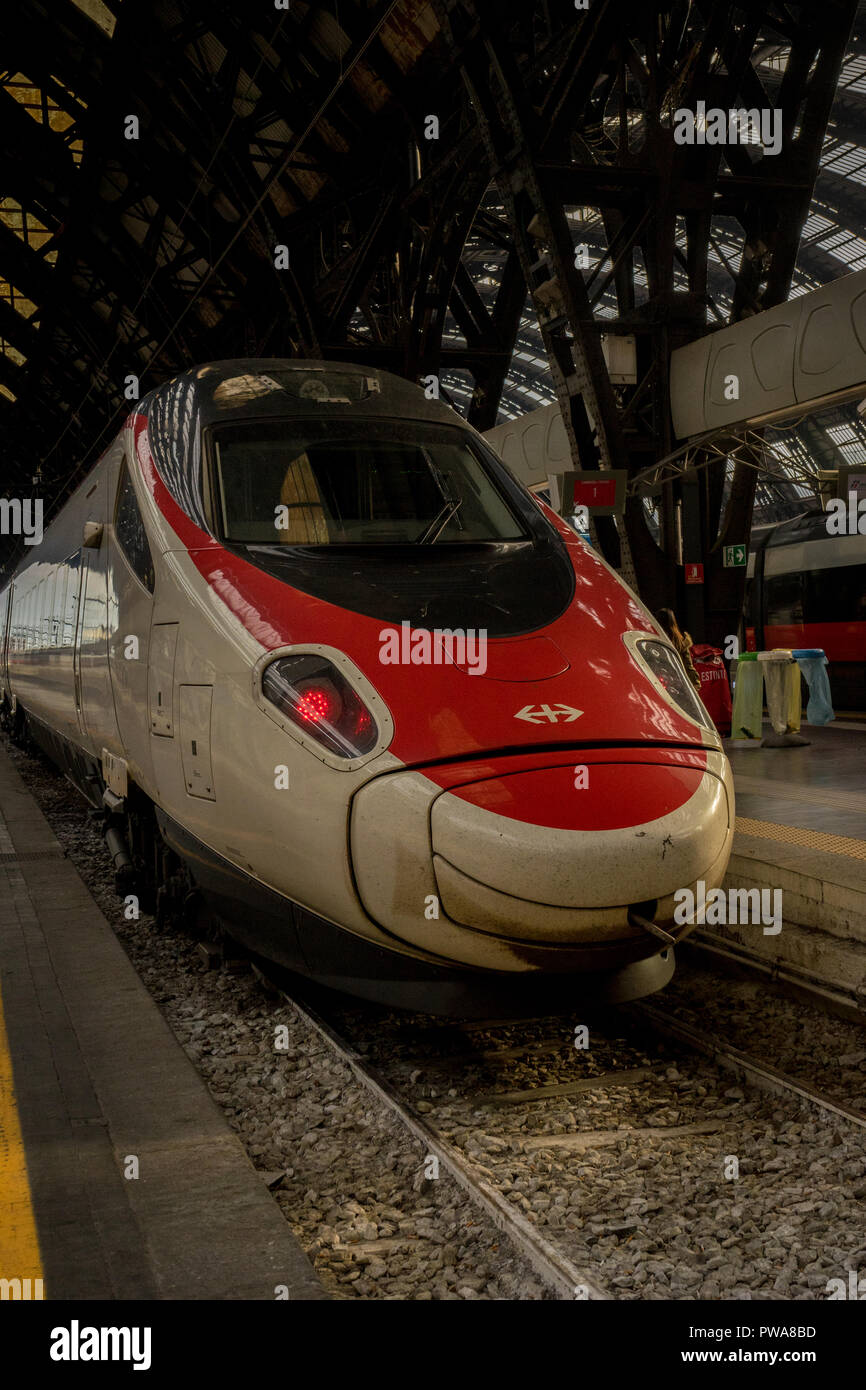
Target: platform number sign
{"x": 734, "y": 556}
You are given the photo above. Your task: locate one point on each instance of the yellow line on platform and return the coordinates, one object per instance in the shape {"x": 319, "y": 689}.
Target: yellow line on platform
{"x": 808, "y": 839}
{"x": 20, "y": 1259}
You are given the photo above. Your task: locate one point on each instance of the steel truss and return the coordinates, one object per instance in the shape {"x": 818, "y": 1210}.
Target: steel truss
{"x": 308, "y": 130}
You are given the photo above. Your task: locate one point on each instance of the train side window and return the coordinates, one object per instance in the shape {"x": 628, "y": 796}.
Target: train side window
{"x": 70, "y": 612}
{"x": 33, "y": 620}
{"x": 5, "y": 612}
{"x": 784, "y": 599}
{"x": 49, "y": 585}
{"x": 130, "y": 532}
{"x": 59, "y": 606}
{"x": 836, "y": 595}
{"x": 29, "y": 606}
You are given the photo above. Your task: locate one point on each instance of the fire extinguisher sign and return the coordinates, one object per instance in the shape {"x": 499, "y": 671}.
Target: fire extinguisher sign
{"x": 694, "y": 574}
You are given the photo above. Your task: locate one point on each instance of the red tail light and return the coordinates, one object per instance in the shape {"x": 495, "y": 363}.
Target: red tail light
{"x": 310, "y": 691}
{"x": 319, "y": 705}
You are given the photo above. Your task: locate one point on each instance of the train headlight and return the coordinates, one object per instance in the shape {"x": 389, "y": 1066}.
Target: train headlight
{"x": 310, "y": 691}
{"x": 664, "y": 665}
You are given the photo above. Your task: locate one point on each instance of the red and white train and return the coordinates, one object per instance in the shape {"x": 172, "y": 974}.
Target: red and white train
{"x": 331, "y": 670}
{"x": 807, "y": 588}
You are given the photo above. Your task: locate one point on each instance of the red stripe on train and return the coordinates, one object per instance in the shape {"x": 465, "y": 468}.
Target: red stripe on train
{"x": 840, "y": 641}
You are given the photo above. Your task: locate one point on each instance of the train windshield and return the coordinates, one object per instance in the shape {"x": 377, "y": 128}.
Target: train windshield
{"x": 355, "y": 482}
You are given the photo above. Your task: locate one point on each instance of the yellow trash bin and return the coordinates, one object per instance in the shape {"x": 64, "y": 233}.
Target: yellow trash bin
{"x": 795, "y": 698}
{"x": 782, "y": 683}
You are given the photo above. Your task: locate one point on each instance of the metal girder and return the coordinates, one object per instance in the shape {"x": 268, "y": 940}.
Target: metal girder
{"x": 542, "y": 241}
{"x": 505, "y": 320}
{"x": 556, "y": 108}
{"x": 597, "y": 137}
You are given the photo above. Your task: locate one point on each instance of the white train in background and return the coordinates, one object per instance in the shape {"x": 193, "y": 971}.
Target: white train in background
{"x": 804, "y": 588}
{"x": 533, "y": 445}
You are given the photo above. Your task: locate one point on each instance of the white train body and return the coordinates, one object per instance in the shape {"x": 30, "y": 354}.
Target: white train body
{"x": 457, "y": 850}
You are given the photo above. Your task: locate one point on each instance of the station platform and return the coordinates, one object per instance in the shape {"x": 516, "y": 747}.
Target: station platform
{"x": 801, "y": 828}
{"x": 91, "y": 1076}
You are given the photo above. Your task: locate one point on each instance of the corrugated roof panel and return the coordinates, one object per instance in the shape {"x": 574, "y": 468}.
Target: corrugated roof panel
{"x": 308, "y": 181}
{"x": 206, "y": 50}
{"x": 369, "y": 87}
{"x": 408, "y": 32}
{"x": 331, "y": 136}
{"x": 328, "y": 37}
{"x": 99, "y": 13}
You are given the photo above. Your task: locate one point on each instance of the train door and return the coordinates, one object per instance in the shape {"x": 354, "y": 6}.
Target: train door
{"x": 95, "y": 698}
{"x": 77, "y": 624}
{"x": 5, "y": 632}
{"x": 76, "y": 648}
{"x": 132, "y": 580}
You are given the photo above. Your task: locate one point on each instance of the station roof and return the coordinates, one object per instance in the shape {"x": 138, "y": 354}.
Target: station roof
{"x": 155, "y": 153}
{"x": 832, "y": 244}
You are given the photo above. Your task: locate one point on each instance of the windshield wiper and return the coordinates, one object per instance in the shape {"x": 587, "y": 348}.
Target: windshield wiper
{"x": 444, "y": 515}
{"x": 439, "y": 522}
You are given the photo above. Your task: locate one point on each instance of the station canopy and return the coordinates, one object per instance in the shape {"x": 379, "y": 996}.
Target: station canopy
{"x": 158, "y": 153}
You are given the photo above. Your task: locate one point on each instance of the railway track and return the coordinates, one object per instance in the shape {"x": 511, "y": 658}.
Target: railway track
{"x": 557, "y": 1273}
{"x": 616, "y": 1081}
{"x": 603, "y": 1163}
{"x": 755, "y": 1070}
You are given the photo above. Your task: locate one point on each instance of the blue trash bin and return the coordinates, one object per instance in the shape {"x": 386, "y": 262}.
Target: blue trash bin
{"x": 812, "y": 661}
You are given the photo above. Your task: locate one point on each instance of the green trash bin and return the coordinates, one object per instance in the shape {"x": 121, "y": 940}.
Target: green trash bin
{"x": 748, "y": 698}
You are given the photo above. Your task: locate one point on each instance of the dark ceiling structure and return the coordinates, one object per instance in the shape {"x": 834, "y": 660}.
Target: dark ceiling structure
{"x": 405, "y": 182}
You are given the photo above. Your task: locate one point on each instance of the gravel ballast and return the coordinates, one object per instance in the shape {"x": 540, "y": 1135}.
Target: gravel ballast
{"x": 671, "y": 1181}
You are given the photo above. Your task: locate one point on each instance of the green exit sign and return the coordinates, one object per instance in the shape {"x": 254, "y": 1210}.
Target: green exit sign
{"x": 734, "y": 556}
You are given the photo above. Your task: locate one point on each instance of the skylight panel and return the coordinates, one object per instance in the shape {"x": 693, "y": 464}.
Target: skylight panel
{"x": 16, "y": 300}
{"x": 846, "y": 159}
{"x": 853, "y": 75}
{"x": 43, "y": 109}
{"x": 840, "y": 434}
{"x": 27, "y": 227}
{"x": 815, "y": 225}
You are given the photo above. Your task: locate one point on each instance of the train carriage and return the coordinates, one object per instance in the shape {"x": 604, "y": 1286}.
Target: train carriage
{"x": 807, "y": 588}
{"x": 333, "y": 673}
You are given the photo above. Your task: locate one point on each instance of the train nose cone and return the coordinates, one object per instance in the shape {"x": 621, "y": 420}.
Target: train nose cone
{"x": 522, "y": 853}
{"x": 539, "y": 868}
{"x": 517, "y": 659}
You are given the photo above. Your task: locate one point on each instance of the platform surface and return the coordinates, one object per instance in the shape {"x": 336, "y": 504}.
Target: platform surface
{"x": 801, "y": 828}
{"x": 821, "y": 787}
{"x": 804, "y": 809}
{"x": 90, "y": 1073}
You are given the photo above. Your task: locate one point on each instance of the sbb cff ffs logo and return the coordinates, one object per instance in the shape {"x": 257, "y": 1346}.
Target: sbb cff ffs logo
{"x": 552, "y": 714}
